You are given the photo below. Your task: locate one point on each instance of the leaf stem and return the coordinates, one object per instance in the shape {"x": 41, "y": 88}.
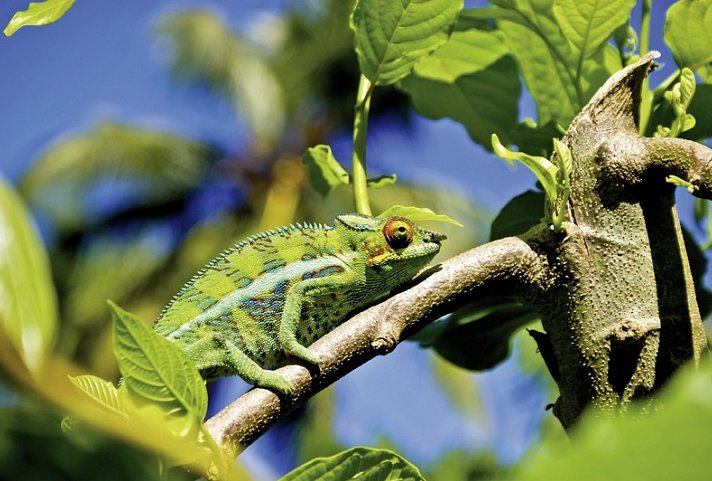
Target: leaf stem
{"x": 645, "y": 26}
{"x": 358, "y": 170}
{"x": 646, "y": 103}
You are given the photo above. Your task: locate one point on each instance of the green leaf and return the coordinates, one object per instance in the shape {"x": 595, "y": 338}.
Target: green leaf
{"x": 700, "y": 109}
{"x": 391, "y": 36}
{"x": 477, "y": 336}
{"x": 519, "y": 215}
{"x": 103, "y": 392}
{"x": 588, "y": 24}
{"x": 554, "y": 74}
{"x": 38, "y": 13}
{"x": 381, "y": 181}
{"x": 28, "y": 303}
{"x": 678, "y": 182}
{"x": 688, "y": 32}
{"x": 155, "y": 369}
{"x": 544, "y": 170}
{"x": 471, "y": 79}
{"x": 325, "y": 172}
{"x": 658, "y": 444}
{"x": 687, "y": 86}
{"x": 364, "y": 464}
{"x": 417, "y": 214}
{"x": 545, "y": 59}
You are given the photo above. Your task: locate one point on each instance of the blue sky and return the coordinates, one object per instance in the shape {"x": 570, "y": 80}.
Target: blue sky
{"x": 101, "y": 62}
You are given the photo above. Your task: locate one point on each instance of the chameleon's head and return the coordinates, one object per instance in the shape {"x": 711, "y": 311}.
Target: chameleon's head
{"x": 392, "y": 246}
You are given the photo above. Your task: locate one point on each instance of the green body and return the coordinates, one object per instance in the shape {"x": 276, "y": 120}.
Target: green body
{"x": 268, "y": 297}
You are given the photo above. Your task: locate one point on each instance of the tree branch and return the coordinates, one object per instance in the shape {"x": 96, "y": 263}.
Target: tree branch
{"x": 508, "y": 266}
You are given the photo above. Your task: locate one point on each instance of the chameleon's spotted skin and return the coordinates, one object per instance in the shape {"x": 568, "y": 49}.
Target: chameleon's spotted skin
{"x": 270, "y": 296}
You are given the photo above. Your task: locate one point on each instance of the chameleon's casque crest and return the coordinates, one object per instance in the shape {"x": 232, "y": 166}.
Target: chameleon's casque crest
{"x": 271, "y": 295}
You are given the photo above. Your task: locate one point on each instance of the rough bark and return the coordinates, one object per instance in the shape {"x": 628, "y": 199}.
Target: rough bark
{"x": 613, "y": 289}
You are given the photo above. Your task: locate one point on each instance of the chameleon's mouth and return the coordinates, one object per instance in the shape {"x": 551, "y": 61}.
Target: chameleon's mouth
{"x": 436, "y": 238}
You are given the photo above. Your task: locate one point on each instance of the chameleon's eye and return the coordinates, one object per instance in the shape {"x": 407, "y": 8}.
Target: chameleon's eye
{"x": 398, "y": 233}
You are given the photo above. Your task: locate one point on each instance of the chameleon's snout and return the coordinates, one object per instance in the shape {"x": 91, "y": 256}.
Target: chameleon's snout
{"x": 437, "y": 237}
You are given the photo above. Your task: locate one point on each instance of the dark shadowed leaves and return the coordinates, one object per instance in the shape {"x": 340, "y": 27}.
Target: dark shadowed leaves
{"x": 522, "y": 212}
{"x": 478, "y": 336}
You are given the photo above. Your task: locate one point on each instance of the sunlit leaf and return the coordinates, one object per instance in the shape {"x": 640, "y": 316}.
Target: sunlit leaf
{"x": 28, "y": 304}
{"x": 325, "y": 172}
{"x": 544, "y": 170}
{"x": 367, "y": 464}
{"x": 38, "y": 13}
{"x": 381, "y": 181}
{"x": 417, "y": 214}
{"x": 559, "y": 83}
{"x": 155, "y": 369}
{"x": 391, "y": 36}
{"x": 103, "y": 392}
{"x": 470, "y": 79}
{"x": 587, "y": 24}
{"x": 688, "y": 32}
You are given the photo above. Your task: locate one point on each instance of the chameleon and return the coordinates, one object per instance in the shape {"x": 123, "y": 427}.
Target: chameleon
{"x": 266, "y": 298}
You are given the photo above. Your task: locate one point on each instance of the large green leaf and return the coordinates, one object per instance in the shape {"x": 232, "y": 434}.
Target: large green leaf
{"x": 155, "y": 369}
{"x": 671, "y": 442}
{"x": 38, "y": 13}
{"x": 560, "y": 83}
{"x": 392, "y": 35}
{"x": 364, "y": 464}
{"x": 471, "y": 79}
{"x": 28, "y": 304}
{"x": 588, "y": 24}
{"x": 688, "y": 32}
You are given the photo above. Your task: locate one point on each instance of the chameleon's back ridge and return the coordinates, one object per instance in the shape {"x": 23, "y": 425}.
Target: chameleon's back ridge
{"x": 271, "y": 295}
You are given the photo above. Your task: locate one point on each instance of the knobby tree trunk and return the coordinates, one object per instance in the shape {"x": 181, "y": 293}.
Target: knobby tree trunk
{"x": 613, "y": 288}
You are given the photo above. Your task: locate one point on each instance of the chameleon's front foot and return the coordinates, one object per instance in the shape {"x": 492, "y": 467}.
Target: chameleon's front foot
{"x": 274, "y": 381}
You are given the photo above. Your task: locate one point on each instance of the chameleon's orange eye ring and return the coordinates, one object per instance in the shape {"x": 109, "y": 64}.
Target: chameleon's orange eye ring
{"x": 398, "y": 233}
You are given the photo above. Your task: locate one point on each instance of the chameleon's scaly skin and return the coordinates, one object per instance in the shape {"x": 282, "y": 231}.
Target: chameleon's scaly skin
{"x": 270, "y": 296}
